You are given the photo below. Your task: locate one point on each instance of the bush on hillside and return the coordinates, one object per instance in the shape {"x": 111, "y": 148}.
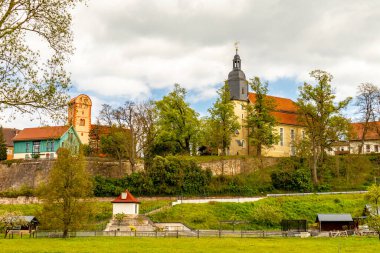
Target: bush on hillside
{"x": 165, "y": 176}
{"x": 171, "y": 175}
{"x": 267, "y": 215}
{"x": 292, "y": 174}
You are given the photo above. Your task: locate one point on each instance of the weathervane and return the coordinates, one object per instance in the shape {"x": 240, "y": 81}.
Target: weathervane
{"x": 236, "y": 46}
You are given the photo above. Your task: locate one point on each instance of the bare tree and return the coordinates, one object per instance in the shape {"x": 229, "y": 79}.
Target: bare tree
{"x": 368, "y": 101}
{"x": 138, "y": 121}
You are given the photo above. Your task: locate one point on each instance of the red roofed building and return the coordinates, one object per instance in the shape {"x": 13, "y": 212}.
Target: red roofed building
{"x": 9, "y": 134}
{"x": 126, "y": 203}
{"x": 371, "y": 140}
{"x": 43, "y": 142}
{"x": 289, "y": 129}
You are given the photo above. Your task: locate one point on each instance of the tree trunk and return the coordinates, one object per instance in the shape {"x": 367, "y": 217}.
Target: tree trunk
{"x": 120, "y": 165}
{"x": 365, "y": 128}
{"x": 132, "y": 162}
{"x": 315, "y": 166}
{"x": 65, "y": 232}
{"x": 258, "y": 150}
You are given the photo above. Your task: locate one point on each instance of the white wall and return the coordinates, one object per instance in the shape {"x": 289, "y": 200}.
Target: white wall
{"x": 126, "y": 208}
{"x": 42, "y": 155}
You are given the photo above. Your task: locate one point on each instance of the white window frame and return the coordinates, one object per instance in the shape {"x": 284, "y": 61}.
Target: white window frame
{"x": 282, "y": 136}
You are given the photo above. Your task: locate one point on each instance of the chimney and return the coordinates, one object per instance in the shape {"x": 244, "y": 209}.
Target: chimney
{"x": 123, "y": 195}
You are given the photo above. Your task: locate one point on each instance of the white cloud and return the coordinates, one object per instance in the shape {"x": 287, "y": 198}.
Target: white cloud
{"x": 129, "y": 48}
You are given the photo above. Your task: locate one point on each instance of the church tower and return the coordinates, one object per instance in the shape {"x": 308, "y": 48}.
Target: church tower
{"x": 236, "y": 80}
{"x": 79, "y": 116}
{"x": 239, "y": 96}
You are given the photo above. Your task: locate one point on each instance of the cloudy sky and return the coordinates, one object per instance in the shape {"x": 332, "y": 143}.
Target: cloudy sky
{"x": 136, "y": 50}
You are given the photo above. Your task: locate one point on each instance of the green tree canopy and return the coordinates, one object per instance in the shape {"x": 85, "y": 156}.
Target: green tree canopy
{"x": 28, "y": 82}
{"x": 64, "y": 195}
{"x": 260, "y": 122}
{"x": 321, "y": 116}
{"x": 178, "y": 124}
{"x": 117, "y": 144}
{"x": 373, "y": 197}
{"x": 223, "y": 121}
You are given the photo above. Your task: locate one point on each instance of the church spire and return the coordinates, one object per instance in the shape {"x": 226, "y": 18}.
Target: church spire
{"x": 236, "y": 61}
{"x": 237, "y": 46}
{"x": 236, "y": 79}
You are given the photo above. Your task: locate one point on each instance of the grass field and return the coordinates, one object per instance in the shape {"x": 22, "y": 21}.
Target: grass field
{"x": 209, "y": 245}
{"x": 101, "y": 211}
{"x": 207, "y": 216}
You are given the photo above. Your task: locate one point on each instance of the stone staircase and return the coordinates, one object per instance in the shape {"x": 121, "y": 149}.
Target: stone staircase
{"x": 139, "y": 222}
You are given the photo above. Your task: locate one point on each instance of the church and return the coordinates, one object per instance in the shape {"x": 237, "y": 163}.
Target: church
{"x": 288, "y": 127}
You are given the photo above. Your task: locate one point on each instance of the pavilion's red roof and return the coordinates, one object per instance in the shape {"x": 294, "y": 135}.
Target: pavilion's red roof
{"x": 285, "y": 112}
{"x": 41, "y": 133}
{"x": 372, "y": 132}
{"x": 129, "y": 199}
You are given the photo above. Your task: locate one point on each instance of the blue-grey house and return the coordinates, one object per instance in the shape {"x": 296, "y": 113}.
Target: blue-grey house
{"x": 43, "y": 142}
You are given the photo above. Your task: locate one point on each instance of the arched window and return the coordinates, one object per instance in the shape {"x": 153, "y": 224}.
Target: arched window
{"x": 82, "y": 122}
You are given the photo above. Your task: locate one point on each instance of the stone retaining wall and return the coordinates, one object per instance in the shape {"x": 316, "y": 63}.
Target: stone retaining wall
{"x": 32, "y": 173}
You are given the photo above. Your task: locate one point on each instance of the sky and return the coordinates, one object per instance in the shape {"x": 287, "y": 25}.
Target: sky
{"x": 136, "y": 50}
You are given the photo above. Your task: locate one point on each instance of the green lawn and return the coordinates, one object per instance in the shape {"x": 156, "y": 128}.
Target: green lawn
{"x": 207, "y": 216}
{"x": 100, "y": 216}
{"x": 209, "y": 245}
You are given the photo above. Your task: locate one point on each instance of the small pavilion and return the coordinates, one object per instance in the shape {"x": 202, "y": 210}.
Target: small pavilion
{"x": 125, "y": 203}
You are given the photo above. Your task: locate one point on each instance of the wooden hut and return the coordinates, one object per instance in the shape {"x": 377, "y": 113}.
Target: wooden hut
{"x": 330, "y": 222}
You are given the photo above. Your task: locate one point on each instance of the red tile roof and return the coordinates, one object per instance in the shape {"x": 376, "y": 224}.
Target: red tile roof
{"x": 286, "y": 109}
{"x": 129, "y": 199}
{"x": 41, "y": 133}
{"x": 282, "y": 104}
{"x": 372, "y": 132}
{"x": 9, "y": 134}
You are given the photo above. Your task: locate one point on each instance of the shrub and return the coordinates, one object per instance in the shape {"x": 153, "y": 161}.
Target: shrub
{"x": 292, "y": 174}
{"x": 267, "y": 215}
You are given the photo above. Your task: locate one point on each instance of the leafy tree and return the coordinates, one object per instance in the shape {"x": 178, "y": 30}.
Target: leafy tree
{"x": 223, "y": 120}
{"x": 260, "y": 122}
{"x": 178, "y": 124}
{"x": 207, "y": 140}
{"x": 322, "y": 117}
{"x": 9, "y": 220}
{"x": 368, "y": 103}
{"x": 373, "y": 196}
{"x": 116, "y": 143}
{"x": 64, "y": 195}
{"x": 3, "y": 146}
{"x": 27, "y": 82}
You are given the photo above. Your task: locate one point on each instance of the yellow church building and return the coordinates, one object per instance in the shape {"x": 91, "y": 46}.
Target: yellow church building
{"x": 288, "y": 127}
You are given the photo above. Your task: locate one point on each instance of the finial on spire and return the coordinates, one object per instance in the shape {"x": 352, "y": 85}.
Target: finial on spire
{"x": 237, "y": 46}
